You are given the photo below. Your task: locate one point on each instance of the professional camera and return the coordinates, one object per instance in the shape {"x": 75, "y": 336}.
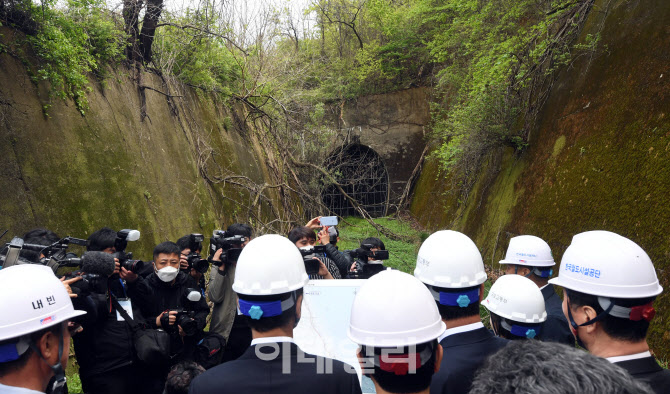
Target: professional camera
{"x": 53, "y": 256}
{"x": 194, "y": 258}
{"x": 364, "y": 269}
{"x": 362, "y": 253}
{"x": 186, "y": 321}
{"x": 184, "y": 317}
{"x": 196, "y": 262}
{"x": 309, "y": 256}
{"x": 90, "y": 283}
{"x": 230, "y": 244}
{"x": 126, "y": 259}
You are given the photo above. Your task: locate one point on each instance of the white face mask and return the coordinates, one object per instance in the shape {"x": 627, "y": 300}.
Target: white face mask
{"x": 167, "y": 274}
{"x": 375, "y": 262}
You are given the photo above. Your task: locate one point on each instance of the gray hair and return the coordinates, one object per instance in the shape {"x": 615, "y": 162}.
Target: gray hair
{"x": 551, "y": 368}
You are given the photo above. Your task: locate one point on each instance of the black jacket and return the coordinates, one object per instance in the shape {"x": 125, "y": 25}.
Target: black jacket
{"x": 251, "y": 375}
{"x": 171, "y": 296}
{"x": 556, "y": 328}
{"x": 464, "y": 354}
{"x": 340, "y": 259}
{"x": 106, "y": 343}
{"x": 647, "y": 370}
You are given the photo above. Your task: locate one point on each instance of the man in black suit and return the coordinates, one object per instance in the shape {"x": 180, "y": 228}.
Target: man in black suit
{"x": 531, "y": 257}
{"x": 397, "y": 333}
{"x": 450, "y": 265}
{"x": 609, "y": 286}
{"x": 269, "y": 279}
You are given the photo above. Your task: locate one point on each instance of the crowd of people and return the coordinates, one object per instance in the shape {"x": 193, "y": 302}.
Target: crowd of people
{"x": 141, "y": 327}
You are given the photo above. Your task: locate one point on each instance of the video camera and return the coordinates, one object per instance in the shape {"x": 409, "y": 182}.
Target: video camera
{"x": 194, "y": 258}
{"x": 309, "y": 256}
{"x": 363, "y": 268}
{"x": 97, "y": 267}
{"x": 126, "y": 259}
{"x": 364, "y": 252}
{"x": 53, "y": 256}
{"x": 230, "y": 244}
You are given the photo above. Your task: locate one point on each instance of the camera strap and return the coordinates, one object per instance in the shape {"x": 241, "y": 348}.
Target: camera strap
{"x": 132, "y": 323}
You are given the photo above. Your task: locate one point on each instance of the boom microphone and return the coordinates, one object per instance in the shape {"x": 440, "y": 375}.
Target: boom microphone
{"x": 100, "y": 263}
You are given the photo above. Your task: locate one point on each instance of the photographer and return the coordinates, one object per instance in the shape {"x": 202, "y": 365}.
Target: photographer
{"x": 304, "y": 239}
{"x": 104, "y": 349}
{"x": 190, "y": 261}
{"x": 177, "y": 308}
{"x": 225, "y": 320}
{"x": 368, "y": 261}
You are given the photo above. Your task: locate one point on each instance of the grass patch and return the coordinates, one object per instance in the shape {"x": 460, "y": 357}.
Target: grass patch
{"x": 72, "y": 374}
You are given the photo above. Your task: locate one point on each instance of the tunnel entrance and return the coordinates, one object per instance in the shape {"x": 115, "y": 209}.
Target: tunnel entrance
{"x": 363, "y": 176}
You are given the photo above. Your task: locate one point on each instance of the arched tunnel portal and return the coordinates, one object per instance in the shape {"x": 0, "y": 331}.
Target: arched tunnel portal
{"x": 362, "y": 175}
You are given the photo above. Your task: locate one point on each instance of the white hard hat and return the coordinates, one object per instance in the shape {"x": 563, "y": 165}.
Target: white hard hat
{"x": 450, "y": 259}
{"x": 605, "y": 264}
{"x": 269, "y": 265}
{"x": 516, "y": 298}
{"x": 528, "y": 250}
{"x": 32, "y": 299}
{"x": 394, "y": 309}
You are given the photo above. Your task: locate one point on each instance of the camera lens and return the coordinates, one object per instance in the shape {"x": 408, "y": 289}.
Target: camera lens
{"x": 187, "y": 324}
{"x": 133, "y": 265}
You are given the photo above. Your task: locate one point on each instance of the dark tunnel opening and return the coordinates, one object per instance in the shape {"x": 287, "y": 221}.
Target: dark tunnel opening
{"x": 363, "y": 176}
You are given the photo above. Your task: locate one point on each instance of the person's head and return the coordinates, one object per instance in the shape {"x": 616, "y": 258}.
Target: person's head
{"x": 450, "y": 265}
{"x": 34, "y": 336}
{"x": 609, "y": 285}
{"x": 529, "y": 256}
{"x": 187, "y": 244}
{"x": 269, "y": 279}
{"x": 397, "y": 332}
{"x": 585, "y": 307}
{"x": 102, "y": 240}
{"x": 517, "y": 308}
{"x": 37, "y": 236}
{"x": 551, "y": 368}
{"x": 180, "y": 376}
{"x": 241, "y": 229}
{"x": 166, "y": 261}
{"x": 302, "y": 237}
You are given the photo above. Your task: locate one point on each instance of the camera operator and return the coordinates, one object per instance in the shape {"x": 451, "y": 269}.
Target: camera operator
{"x": 104, "y": 349}
{"x": 191, "y": 247}
{"x": 37, "y": 236}
{"x": 225, "y": 318}
{"x": 177, "y": 308}
{"x": 304, "y": 239}
{"x": 368, "y": 265}
{"x": 42, "y": 236}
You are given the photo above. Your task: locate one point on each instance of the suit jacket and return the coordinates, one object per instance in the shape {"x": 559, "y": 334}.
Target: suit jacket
{"x": 556, "y": 328}
{"x": 647, "y": 370}
{"x": 281, "y": 368}
{"x": 464, "y": 354}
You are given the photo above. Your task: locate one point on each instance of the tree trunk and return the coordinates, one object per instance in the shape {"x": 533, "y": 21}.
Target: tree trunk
{"x": 131, "y": 13}
{"x": 151, "y": 17}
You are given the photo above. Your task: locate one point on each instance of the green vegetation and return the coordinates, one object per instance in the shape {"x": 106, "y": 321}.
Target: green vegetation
{"x": 70, "y": 44}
